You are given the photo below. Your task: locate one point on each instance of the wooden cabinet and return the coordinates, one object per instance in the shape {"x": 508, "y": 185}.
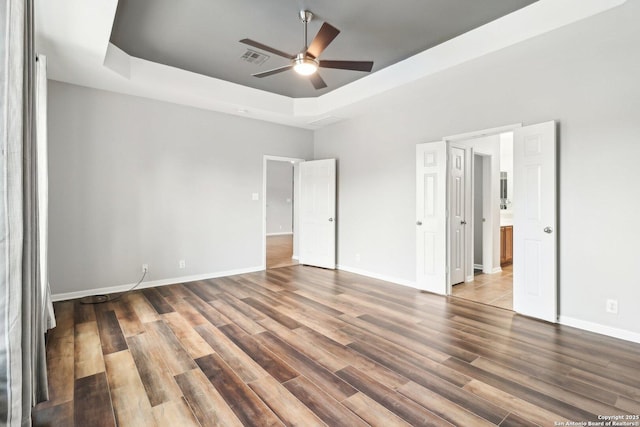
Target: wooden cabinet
{"x": 506, "y": 245}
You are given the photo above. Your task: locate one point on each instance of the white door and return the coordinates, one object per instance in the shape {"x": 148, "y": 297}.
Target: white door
{"x": 535, "y": 290}
{"x": 431, "y": 220}
{"x": 318, "y": 213}
{"x": 457, "y": 214}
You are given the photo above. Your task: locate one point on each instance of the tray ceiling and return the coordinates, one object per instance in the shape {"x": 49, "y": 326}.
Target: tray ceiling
{"x": 79, "y": 37}
{"x": 203, "y": 36}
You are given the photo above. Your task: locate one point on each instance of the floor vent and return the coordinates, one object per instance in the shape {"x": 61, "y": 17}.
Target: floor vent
{"x": 254, "y": 57}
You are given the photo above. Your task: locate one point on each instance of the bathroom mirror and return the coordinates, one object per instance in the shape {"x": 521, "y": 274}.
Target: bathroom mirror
{"x": 503, "y": 190}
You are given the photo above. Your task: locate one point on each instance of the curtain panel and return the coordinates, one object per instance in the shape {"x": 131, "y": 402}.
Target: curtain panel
{"x": 25, "y": 306}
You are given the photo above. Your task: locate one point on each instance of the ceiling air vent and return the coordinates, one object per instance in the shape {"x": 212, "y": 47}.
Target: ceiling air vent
{"x": 254, "y": 57}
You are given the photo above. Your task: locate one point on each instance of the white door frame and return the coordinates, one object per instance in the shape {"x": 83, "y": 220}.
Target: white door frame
{"x": 480, "y": 133}
{"x": 296, "y": 197}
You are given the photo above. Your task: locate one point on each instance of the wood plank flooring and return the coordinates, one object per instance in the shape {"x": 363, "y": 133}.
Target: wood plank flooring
{"x": 300, "y": 346}
{"x": 280, "y": 251}
{"x": 491, "y": 289}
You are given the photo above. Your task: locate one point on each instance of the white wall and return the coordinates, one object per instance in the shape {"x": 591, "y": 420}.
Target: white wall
{"x": 586, "y": 77}
{"x": 279, "y": 197}
{"x": 136, "y": 181}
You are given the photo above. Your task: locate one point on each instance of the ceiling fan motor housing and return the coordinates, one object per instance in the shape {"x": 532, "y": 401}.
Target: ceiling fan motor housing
{"x": 305, "y": 16}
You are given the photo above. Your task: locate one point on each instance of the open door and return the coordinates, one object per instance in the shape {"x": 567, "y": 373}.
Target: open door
{"x": 318, "y": 213}
{"x": 535, "y": 290}
{"x": 431, "y": 220}
{"x": 457, "y": 215}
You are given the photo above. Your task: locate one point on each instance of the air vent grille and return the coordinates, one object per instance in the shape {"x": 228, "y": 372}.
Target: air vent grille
{"x": 254, "y": 57}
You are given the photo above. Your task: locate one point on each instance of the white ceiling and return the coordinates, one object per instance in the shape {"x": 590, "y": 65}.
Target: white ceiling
{"x": 75, "y": 36}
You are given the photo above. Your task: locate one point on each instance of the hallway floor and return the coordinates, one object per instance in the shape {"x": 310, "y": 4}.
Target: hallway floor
{"x": 280, "y": 251}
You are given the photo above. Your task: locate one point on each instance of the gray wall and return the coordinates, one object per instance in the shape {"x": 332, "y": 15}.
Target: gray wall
{"x": 478, "y": 182}
{"x": 136, "y": 181}
{"x": 279, "y": 197}
{"x": 586, "y": 77}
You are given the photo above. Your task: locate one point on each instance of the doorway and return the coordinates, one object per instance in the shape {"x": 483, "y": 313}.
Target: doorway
{"x": 280, "y": 223}
{"x": 477, "y": 220}
{"x": 535, "y": 242}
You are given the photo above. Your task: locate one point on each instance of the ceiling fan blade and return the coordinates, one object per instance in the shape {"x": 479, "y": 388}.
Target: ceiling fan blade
{"x": 317, "y": 81}
{"x": 348, "y": 65}
{"x": 325, "y": 36}
{"x": 272, "y": 72}
{"x": 267, "y": 48}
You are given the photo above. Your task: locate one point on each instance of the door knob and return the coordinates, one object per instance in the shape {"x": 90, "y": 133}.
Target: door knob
{"x": 418, "y": 222}
{"x": 463, "y": 222}
{"x": 330, "y": 219}
{"x": 548, "y": 230}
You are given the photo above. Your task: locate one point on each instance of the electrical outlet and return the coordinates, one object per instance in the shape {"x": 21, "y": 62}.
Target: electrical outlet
{"x": 145, "y": 268}
{"x": 612, "y": 306}
{"x": 181, "y": 264}
{"x": 357, "y": 257}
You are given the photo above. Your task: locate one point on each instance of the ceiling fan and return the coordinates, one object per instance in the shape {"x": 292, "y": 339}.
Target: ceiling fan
{"x": 306, "y": 62}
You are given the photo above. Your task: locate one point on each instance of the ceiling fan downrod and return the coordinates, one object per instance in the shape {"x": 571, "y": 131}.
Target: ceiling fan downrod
{"x": 305, "y": 16}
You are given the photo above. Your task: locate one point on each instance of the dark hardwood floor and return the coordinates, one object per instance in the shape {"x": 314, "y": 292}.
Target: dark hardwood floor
{"x": 304, "y": 346}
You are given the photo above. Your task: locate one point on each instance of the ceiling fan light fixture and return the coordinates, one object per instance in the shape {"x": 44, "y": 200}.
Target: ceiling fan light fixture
{"x": 305, "y": 66}
{"x": 306, "y": 62}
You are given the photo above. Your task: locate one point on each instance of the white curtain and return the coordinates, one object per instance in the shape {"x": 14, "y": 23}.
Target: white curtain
{"x": 25, "y": 307}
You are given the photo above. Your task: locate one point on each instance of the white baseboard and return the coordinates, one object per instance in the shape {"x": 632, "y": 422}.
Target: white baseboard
{"x": 151, "y": 284}
{"x": 496, "y": 270}
{"x": 478, "y": 267}
{"x": 366, "y": 273}
{"x": 287, "y": 233}
{"x": 295, "y": 257}
{"x": 600, "y": 329}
